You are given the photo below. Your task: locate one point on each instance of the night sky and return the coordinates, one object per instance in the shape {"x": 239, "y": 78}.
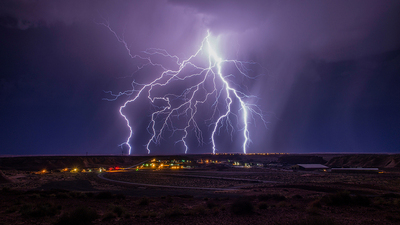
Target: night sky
{"x": 329, "y": 78}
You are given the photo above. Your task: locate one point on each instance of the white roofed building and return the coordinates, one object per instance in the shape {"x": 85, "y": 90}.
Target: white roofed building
{"x": 309, "y": 167}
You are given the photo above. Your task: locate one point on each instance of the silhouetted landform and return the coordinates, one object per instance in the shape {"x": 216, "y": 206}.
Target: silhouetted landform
{"x": 34, "y": 163}
{"x": 366, "y": 161}
{"x": 301, "y": 159}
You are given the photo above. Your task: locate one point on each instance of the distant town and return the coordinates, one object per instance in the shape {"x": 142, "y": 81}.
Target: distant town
{"x": 221, "y": 161}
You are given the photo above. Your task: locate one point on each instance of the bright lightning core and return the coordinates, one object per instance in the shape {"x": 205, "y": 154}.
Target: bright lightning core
{"x": 193, "y": 99}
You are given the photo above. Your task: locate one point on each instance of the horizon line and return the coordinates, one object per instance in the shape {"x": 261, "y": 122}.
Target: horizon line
{"x": 227, "y": 153}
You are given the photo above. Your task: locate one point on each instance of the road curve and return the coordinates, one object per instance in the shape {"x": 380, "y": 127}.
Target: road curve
{"x": 101, "y": 175}
{"x": 226, "y": 178}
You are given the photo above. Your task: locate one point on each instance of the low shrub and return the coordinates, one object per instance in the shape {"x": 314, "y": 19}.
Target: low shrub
{"x": 35, "y": 195}
{"x": 313, "y": 210}
{"x": 297, "y": 197}
{"x": 63, "y": 195}
{"x": 78, "y": 195}
{"x": 39, "y": 210}
{"x": 109, "y": 216}
{"x": 392, "y": 218}
{"x": 390, "y": 195}
{"x": 266, "y": 197}
{"x": 148, "y": 214}
{"x": 81, "y": 195}
{"x": 120, "y": 196}
{"x": 211, "y": 204}
{"x": 282, "y": 204}
{"x": 215, "y": 211}
{"x": 6, "y": 189}
{"x": 338, "y": 199}
{"x": 144, "y": 201}
{"x": 12, "y": 209}
{"x": 263, "y": 205}
{"x": 200, "y": 210}
{"x": 18, "y": 202}
{"x": 90, "y": 194}
{"x": 73, "y": 194}
{"x": 316, "y": 220}
{"x": 119, "y": 210}
{"x": 169, "y": 199}
{"x": 344, "y": 198}
{"x": 104, "y": 195}
{"x": 315, "y": 204}
{"x": 361, "y": 200}
{"x": 173, "y": 212}
{"x": 79, "y": 216}
{"x": 242, "y": 207}
{"x": 185, "y": 196}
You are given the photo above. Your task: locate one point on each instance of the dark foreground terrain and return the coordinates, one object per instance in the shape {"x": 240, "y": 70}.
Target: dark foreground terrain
{"x": 205, "y": 194}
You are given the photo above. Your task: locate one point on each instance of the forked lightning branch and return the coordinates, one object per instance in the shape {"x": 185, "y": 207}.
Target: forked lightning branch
{"x": 206, "y": 88}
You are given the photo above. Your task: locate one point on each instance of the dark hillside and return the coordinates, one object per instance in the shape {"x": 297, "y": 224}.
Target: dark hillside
{"x": 57, "y": 162}
{"x": 366, "y": 160}
{"x": 301, "y": 159}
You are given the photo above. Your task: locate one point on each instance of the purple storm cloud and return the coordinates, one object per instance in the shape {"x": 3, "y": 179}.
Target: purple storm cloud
{"x": 327, "y": 78}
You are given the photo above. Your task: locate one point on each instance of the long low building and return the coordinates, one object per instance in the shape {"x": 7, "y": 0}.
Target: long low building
{"x": 309, "y": 167}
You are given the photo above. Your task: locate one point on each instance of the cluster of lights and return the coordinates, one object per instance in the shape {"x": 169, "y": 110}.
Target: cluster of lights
{"x": 89, "y": 170}
{"x": 252, "y": 154}
{"x": 164, "y": 164}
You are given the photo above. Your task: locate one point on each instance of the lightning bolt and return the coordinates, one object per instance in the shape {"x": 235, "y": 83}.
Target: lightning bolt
{"x": 206, "y": 84}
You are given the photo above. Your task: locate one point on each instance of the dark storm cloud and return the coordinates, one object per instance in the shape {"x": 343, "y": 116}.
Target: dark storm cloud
{"x": 321, "y": 60}
{"x": 144, "y": 24}
{"x": 26, "y": 14}
{"x": 331, "y": 30}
